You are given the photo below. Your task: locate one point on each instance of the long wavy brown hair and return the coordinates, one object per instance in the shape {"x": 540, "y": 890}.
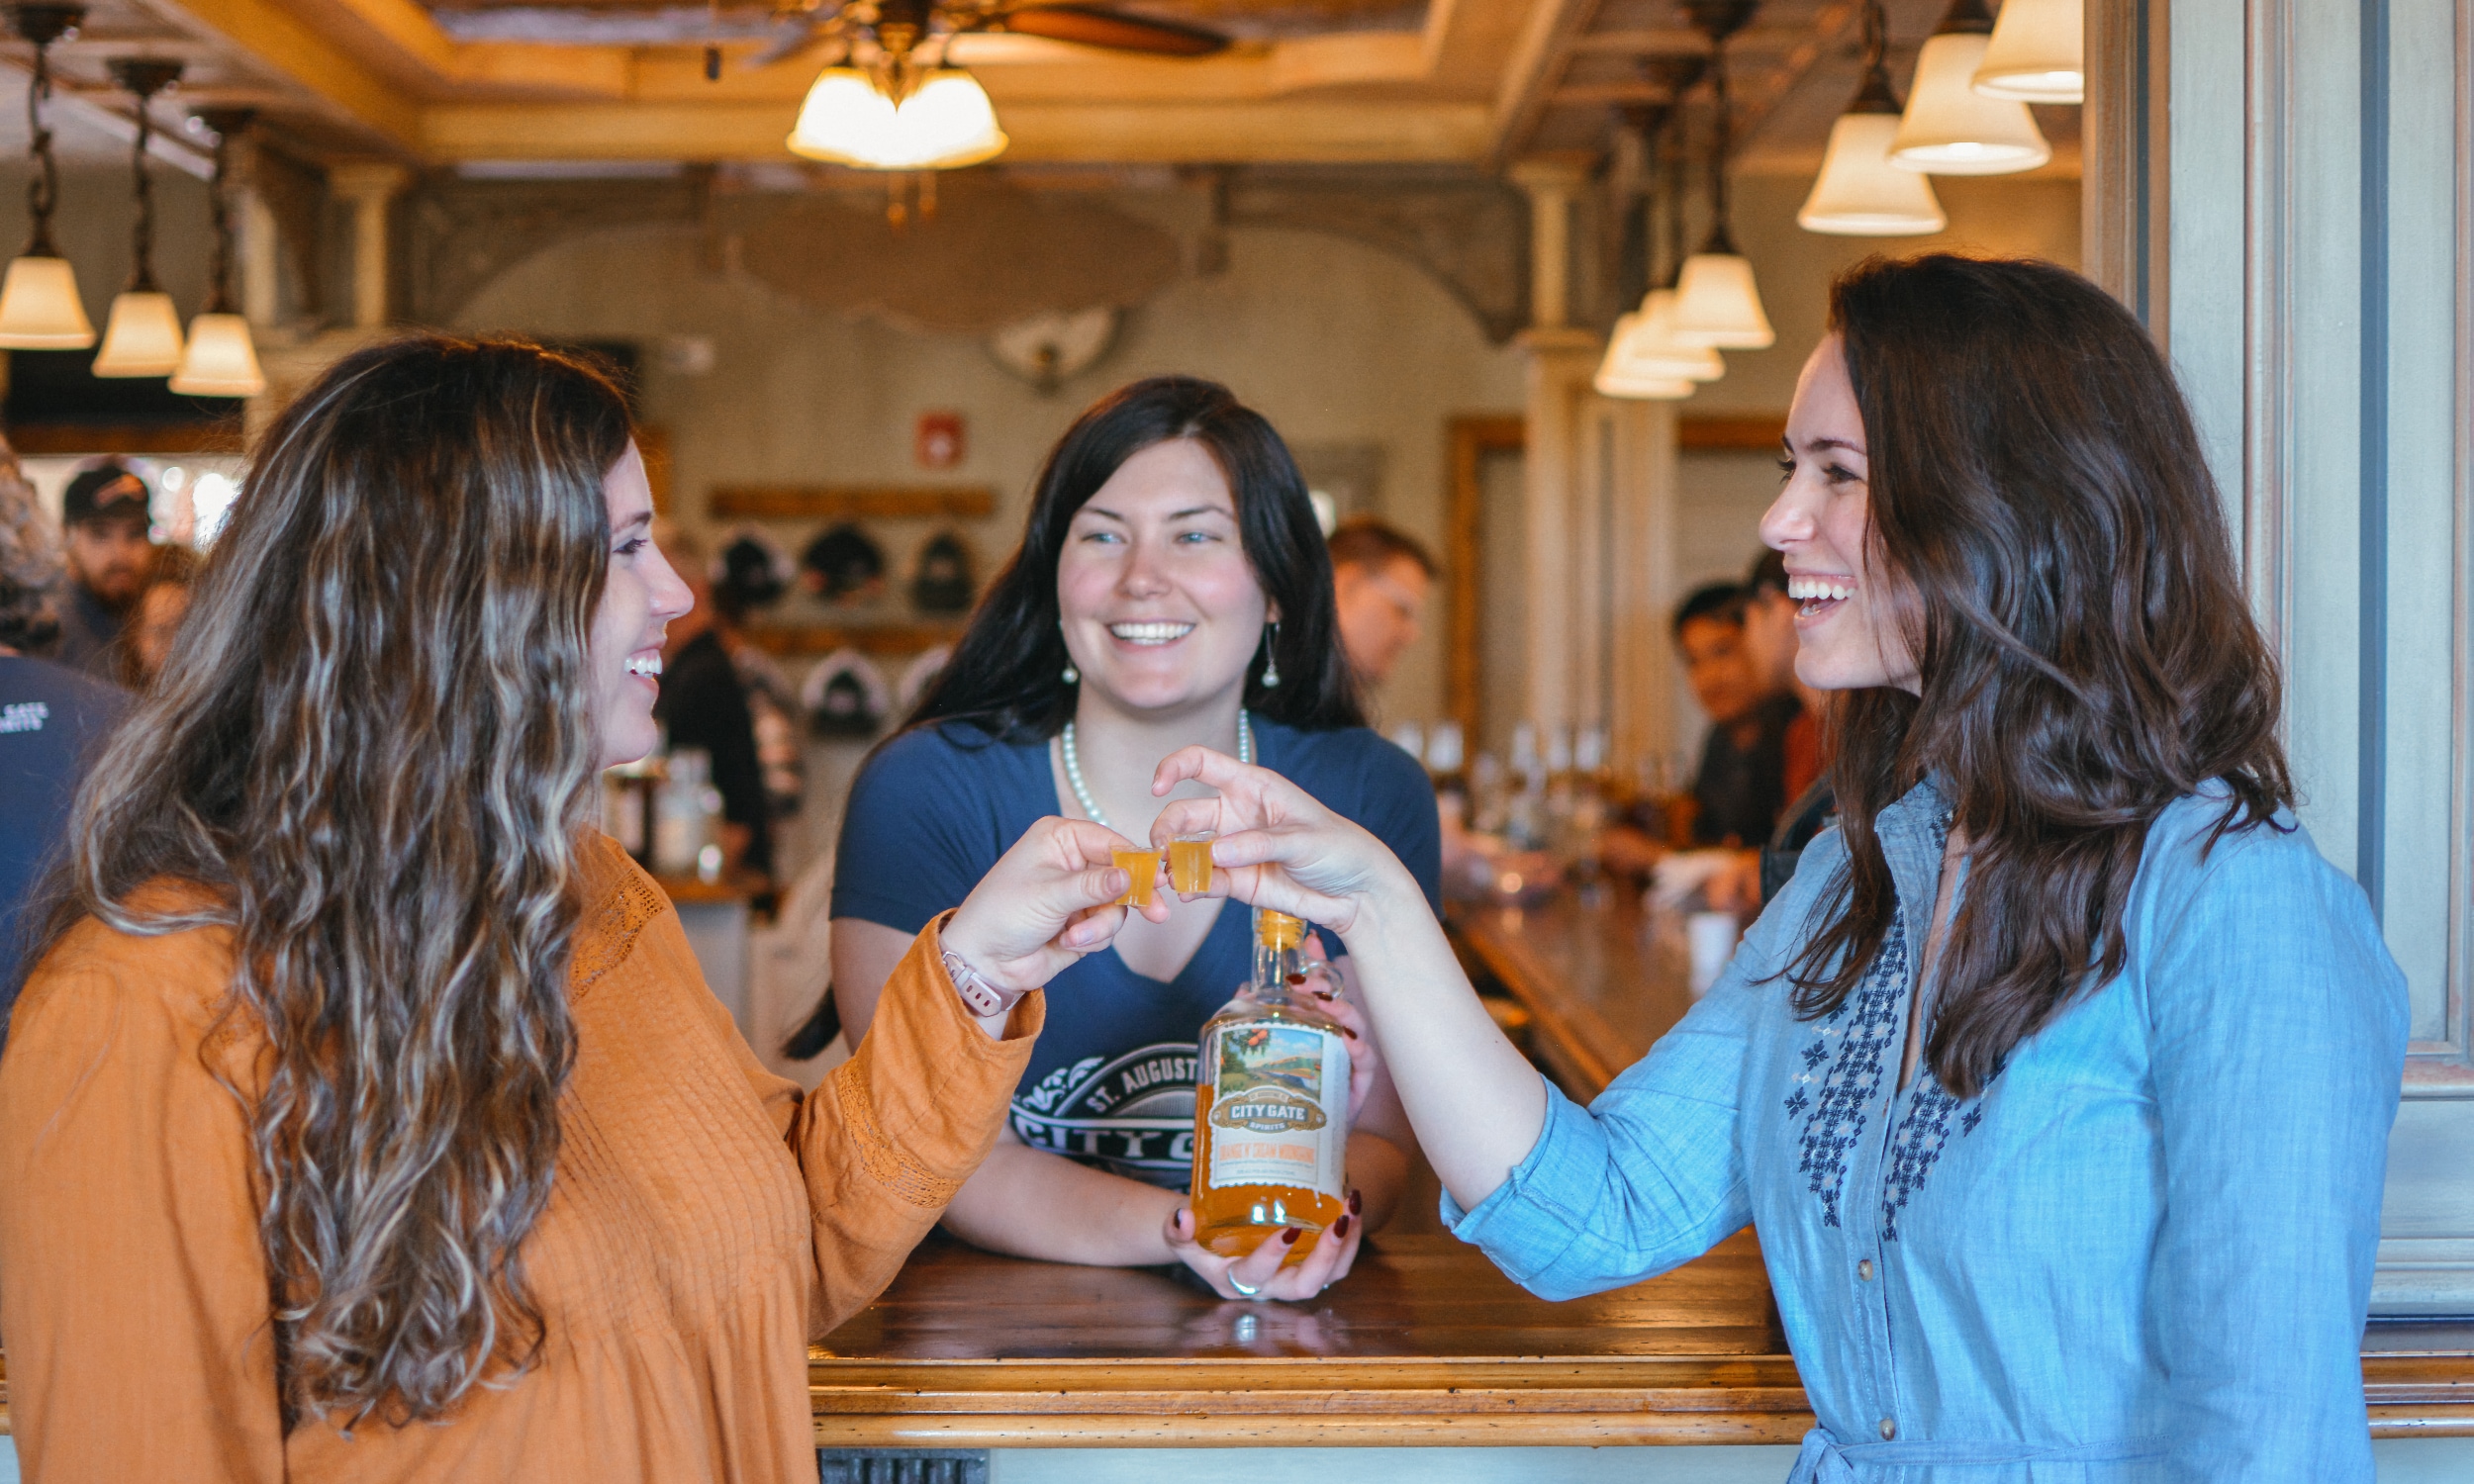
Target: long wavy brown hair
{"x": 2040, "y": 498}
{"x": 371, "y": 744}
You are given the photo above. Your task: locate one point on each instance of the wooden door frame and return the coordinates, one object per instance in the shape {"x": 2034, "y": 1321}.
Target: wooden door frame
{"x": 1470, "y": 438}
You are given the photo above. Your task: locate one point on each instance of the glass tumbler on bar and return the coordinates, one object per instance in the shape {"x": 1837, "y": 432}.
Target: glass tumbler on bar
{"x": 1190, "y": 864}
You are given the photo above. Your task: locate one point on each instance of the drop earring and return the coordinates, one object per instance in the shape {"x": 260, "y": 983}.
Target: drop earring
{"x": 1072, "y": 676}
{"x": 1271, "y": 664}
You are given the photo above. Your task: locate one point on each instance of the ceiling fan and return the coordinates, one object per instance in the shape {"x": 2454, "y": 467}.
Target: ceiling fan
{"x": 886, "y": 34}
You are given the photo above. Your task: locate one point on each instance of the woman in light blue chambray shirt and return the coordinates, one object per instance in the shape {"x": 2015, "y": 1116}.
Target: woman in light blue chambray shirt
{"x": 2058, "y": 1080}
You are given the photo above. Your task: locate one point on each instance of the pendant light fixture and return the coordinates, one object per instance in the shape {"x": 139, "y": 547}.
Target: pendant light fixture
{"x": 1859, "y": 193}
{"x": 220, "y": 358}
{"x": 1717, "y": 302}
{"x": 1951, "y": 128}
{"x": 142, "y": 335}
{"x": 1643, "y": 358}
{"x": 898, "y": 115}
{"x": 39, "y": 307}
{"x": 2036, "y": 54}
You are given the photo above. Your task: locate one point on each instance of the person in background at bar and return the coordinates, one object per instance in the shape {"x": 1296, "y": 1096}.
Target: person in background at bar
{"x": 368, "y": 1118}
{"x": 156, "y": 615}
{"x": 2058, "y": 1080}
{"x": 106, "y": 523}
{"x": 703, "y": 704}
{"x": 52, "y": 718}
{"x": 1770, "y": 634}
{"x": 1171, "y": 587}
{"x": 1380, "y": 578}
{"x": 1742, "y": 782}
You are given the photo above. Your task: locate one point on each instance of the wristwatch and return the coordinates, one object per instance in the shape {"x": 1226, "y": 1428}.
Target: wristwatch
{"x": 982, "y": 998}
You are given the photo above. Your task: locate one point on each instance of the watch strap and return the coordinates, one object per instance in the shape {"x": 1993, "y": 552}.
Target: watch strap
{"x": 978, "y": 994}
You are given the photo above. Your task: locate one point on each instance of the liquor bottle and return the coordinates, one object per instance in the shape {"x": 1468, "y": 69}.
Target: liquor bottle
{"x": 1270, "y": 1105}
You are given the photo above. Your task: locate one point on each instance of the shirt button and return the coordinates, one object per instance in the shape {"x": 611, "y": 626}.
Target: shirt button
{"x": 1864, "y": 1269}
{"x": 1889, "y": 1430}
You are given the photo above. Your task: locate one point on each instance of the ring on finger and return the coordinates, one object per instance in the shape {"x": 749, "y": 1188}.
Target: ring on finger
{"x": 1253, "y": 1292}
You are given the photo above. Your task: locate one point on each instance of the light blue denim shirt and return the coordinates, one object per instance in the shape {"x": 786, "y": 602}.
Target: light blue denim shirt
{"x": 2144, "y": 1251}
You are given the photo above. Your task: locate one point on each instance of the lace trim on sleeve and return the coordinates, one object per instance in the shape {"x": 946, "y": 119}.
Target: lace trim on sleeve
{"x": 891, "y": 1166}
{"x": 609, "y": 932}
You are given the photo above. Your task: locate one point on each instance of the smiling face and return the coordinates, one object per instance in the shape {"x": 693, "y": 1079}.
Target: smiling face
{"x": 1845, "y": 624}
{"x": 639, "y": 597}
{"x": 1162, "y": 611}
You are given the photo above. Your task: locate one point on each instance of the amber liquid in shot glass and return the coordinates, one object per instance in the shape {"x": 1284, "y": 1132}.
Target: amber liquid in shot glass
{"x": 1144, "y": 867}
{"x": 1190, "y": 864}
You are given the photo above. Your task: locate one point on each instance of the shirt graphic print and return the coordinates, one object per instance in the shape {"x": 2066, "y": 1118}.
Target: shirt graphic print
{"x": 1132, "y": 1115}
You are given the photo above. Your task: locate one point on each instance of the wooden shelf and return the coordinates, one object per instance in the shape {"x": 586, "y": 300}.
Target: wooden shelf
{"x": 869, "y": 639}
{"x": 850, "y": 501}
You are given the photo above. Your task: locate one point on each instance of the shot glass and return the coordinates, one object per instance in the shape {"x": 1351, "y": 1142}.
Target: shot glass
{"x": 1144, "y": 867}
{"x": 1190, "y": 864}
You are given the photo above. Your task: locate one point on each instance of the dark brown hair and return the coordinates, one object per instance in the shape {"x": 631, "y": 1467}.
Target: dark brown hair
{"x": 2039, "y": 494}
{"x": 1004, "y": 673}
{"x": 371, "y": 745}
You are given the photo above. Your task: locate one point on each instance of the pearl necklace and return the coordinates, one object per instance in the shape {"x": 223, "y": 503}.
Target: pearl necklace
{"x": 1082, "y": 791}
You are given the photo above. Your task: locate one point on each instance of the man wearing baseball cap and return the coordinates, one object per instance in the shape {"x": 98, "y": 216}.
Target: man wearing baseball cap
{"x": 104, "y": 517}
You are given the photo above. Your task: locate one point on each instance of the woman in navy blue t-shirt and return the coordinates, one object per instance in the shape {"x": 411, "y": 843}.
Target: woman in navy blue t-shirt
{"x": 1171, "y": 589}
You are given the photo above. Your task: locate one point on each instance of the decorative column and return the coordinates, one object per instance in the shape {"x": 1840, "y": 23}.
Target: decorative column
{"x": 1562, "y": 359}
{"x": 370, "y": 186}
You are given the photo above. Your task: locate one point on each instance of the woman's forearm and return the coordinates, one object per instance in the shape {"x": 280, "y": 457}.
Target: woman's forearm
{"x": 1029, "y": 1203}
{"x": 1475, "y": 1102}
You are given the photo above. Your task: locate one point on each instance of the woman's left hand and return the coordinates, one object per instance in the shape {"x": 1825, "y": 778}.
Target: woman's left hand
{"x": 1259, "y": 1274}
{"x": 1044, "y": 904}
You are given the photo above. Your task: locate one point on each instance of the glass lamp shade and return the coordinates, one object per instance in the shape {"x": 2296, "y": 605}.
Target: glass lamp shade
{"x": 142, "y": 339}
{"x": 1644, "y": 345}
{"x": 1614, "y": 381}
{"x": 39, "y": 308}
{"x": 1718, "y": 305}
{"x": 220, "y": 360}
{"x": 2036, "y": 53}
{"x": 1951, "y": 128}
{"x": 1859, "y": 194}
{"x": 946, "y": 124}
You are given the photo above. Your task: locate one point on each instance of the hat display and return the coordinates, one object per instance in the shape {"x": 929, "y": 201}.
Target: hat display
{"x": 941, "y": 581}
{"x": 109, "y": 491}
{"x": 753, "y": 569}
{"x": 844, "y": 566}
{"x": 844, "y": 697}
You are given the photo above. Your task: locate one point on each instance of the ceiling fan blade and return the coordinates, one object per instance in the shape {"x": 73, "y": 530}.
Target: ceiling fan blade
{"x": 1097, "y": 26}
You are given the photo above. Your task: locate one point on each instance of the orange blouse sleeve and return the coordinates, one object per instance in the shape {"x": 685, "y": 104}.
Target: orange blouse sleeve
{"x": 132, "y": 1292}
{"x": 894, "y": 1132}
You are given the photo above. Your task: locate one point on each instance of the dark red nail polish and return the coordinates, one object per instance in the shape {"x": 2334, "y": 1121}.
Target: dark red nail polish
{"x": 1288, "y": 1237}
{"x": 1357, "y": 1203}
{"x": 1340, "y": 1228}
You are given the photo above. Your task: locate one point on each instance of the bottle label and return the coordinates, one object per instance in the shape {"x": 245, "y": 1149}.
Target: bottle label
{"x": 1279, "y": 1107}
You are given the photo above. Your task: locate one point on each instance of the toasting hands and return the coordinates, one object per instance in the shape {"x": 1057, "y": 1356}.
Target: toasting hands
{"x": 1046, "y": 902}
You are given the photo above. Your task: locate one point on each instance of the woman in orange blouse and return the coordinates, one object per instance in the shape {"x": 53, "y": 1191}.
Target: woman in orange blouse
{"x": 367, "y": 1117}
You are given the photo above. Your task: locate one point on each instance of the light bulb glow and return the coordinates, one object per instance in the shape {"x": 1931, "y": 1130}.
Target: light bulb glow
{"x": 141, "y": 337}
{"x": 1614, "y": 382}
{"x": 945, "y": 124}
{"x": 2036, "y": 54}
{"x": 220, "y": 360}
{"x": 40, "y": 307}
{"x": 1951, "y": 128}
{"x": 1859, "y": 194}
{"x": 1644, "y": 346}
{"x": 1718, "y": 305}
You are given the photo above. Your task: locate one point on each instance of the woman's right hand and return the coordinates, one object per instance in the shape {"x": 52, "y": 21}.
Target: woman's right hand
{"x": 1278, "y": 847}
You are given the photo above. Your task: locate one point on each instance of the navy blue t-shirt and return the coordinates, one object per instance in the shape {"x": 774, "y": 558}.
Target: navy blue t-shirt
{"x": 1111, "y": 1081}
{"x": 52, "y": 720}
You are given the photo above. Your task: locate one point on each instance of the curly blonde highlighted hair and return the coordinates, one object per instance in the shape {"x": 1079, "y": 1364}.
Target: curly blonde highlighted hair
{"x": 372, "y": 745}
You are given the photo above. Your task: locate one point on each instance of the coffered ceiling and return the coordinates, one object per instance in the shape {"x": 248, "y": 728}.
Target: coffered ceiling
{"x": 1469, "y": 82}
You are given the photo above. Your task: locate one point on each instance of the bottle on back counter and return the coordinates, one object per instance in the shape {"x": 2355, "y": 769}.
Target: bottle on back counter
{"x": 1271, "y": 1104}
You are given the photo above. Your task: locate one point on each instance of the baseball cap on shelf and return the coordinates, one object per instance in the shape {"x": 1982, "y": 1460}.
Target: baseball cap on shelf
{"x": 107, "y": 492}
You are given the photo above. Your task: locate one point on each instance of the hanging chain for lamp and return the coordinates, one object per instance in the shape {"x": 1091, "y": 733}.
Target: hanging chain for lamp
{"x": 1718, "y": 20}
{"x": 224, "y": 123}
{"x": 42, "y": 25}
{"x": 144, "y": 77}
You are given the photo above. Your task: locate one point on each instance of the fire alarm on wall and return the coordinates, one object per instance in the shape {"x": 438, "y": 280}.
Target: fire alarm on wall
{"x": 938, "y": 442}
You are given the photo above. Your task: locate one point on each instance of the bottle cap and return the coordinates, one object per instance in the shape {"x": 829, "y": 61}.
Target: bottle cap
{"x": 1278, "y": 929}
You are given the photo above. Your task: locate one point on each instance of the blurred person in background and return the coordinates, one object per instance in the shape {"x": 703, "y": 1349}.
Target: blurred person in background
{"x": 704, "y": 706}
{"x": 106, "y": 521}
{"x": 1380, "y": 577}
{"x": 156, "y": 615}
{"x": 51, "y": 718}
{"x": 1770, "y": 634}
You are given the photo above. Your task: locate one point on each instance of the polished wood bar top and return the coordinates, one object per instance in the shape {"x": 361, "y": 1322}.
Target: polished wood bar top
{"x": 1601, "y": 979}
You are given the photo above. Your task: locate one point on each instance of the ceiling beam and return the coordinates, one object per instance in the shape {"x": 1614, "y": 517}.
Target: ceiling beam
{"x": 1539, "y": 57}
{"x": 284, "y": 44}
{"x": 1831, "y": 26}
